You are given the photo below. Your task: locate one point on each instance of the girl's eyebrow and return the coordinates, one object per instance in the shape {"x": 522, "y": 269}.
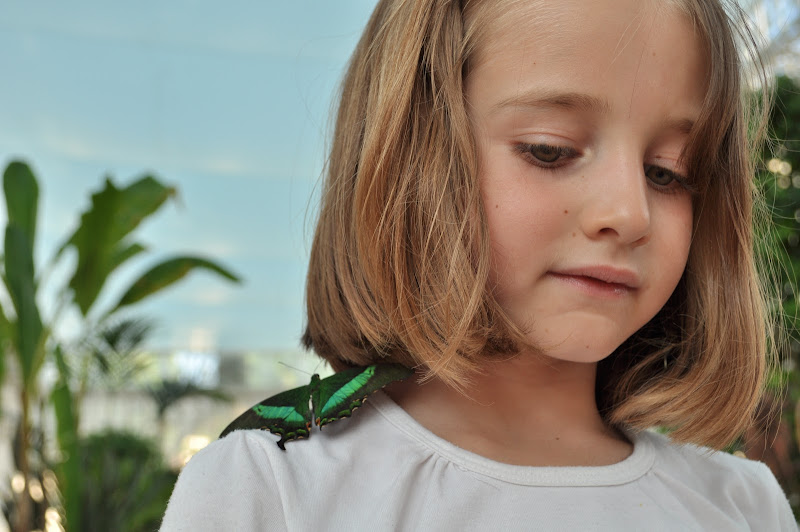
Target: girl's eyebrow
{"x": 538, "y": 98}
{"x": 681, "y": 125}
{"x": 578, "y": 101}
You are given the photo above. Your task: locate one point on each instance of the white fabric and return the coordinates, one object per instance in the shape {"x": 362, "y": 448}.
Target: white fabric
{"x": 381, "y": 470}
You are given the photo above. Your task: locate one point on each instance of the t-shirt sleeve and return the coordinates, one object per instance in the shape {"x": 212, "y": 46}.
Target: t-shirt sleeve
{"x": 229, "y": 485}
{"x": 772, "y": 504}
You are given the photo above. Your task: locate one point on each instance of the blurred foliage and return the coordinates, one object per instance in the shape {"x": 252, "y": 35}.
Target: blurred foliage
{"x": 44, "y": 495}
{"x": 775, "y": 437}
{"x": 169, "y": 392}
{"x": 130, "y": 485}
{"x": 116, "y": 354}
{"x": 108, "y": 336}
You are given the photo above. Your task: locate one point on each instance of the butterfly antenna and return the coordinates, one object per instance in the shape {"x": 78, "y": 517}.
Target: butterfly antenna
{"x": 316, "y": 368}
{"x": 294, "y": 368}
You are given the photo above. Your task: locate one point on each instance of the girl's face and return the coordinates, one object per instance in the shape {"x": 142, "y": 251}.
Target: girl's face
{"x": 581, "y": 111}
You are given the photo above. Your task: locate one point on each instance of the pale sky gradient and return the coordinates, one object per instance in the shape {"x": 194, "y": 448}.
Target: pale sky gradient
{"x": 227, "y": 101}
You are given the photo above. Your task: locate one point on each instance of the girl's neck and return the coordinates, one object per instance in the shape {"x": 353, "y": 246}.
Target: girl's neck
{"x": 529, "y": 410}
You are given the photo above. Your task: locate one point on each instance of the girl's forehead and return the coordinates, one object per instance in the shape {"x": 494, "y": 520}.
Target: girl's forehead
{"x": 633, "y": 57}
{"x": 647, "y": 45}
{"x": 551, "y": 27}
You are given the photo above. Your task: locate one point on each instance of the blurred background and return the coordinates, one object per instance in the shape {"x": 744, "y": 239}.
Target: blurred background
{"x": 160, "y": 168}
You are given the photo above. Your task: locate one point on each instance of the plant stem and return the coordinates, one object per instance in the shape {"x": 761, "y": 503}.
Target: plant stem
{"x": 23, "y": 521}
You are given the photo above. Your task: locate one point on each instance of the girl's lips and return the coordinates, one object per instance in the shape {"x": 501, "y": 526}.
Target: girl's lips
{"x": 605, "y": 274}
{"x": 593, "y": 286}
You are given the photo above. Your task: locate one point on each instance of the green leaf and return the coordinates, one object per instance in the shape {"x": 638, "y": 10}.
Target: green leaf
{"x": 5, "y": 335}
{"x": 20, "y": 283}
{"x": 22, "y": 198}
{"x": 127, "y": 335}
{"x": 130, "y": 485}
{"x": 139, "y": 200}
{"x": 123, "y": 254}
{"x": 69, "y": 470}
{"x": 170, "y": 392}
{"x": 99, "y": 239}
{"x": 167, "y": 273}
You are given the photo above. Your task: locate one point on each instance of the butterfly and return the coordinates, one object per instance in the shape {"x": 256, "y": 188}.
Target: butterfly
{"x": 290, "y": 414}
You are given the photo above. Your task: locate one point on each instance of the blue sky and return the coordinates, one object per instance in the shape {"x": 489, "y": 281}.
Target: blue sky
{"x": 228, "y": 102}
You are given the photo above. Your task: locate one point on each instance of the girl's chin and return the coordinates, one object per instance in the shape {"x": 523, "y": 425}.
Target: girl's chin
{"x": 586, "y": 357}
{"x": 582, "y": 350}
{"x": 580, "y": 338}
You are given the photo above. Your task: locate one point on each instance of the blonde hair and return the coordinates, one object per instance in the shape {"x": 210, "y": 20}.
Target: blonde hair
{"x": 400, "y": 257}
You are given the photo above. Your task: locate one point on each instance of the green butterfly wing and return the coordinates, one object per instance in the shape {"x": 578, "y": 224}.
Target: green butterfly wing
{"x": 340, "y": 394}
{"x": 287, "y": 414}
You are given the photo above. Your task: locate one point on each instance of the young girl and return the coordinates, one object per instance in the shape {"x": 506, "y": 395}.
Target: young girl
{"x": 545, "y": 209}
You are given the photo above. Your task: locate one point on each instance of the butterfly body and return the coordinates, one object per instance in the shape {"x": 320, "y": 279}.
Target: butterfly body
{"x": 290, "y": 414}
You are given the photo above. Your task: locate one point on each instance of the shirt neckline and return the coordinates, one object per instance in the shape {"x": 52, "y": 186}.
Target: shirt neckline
{"x": 639, "y": 462}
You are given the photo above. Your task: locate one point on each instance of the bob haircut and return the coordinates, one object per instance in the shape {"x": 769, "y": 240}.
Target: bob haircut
{"x": 400, "y": 258}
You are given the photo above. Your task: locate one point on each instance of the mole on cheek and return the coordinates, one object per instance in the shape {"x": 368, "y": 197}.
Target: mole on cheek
{"x": 566, "y": 211}
{"x": 573, "y": 235}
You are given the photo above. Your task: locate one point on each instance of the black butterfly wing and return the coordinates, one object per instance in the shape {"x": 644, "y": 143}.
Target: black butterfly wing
{"x": 286, "y": 414}
{"x": 337, "y": 396}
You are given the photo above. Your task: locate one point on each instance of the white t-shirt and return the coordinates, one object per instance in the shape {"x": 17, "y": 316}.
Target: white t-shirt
{"x": 381, "y": 470}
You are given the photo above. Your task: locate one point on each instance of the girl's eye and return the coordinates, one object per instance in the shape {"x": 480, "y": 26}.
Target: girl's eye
{"x": 661, "y": 177}
{"x": 545, "y": 155}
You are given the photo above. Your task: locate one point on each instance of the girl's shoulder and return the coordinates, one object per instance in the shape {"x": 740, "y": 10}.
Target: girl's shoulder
{"x": 244, "y": 480}
{"x": 739, "y": 485}
{"x": 702, "y": 462}
{"x": 217, "y": 487}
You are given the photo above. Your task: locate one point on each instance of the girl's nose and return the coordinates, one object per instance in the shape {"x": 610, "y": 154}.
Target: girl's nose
{"x": 618, "y": 207}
